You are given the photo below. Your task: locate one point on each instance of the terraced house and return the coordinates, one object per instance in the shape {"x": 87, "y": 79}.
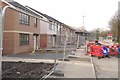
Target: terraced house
{"x": 21, "y": 28}
{"x": 48, "y": 30}
{"x": 52, "y": 31}
{"x": 26, "y": 29}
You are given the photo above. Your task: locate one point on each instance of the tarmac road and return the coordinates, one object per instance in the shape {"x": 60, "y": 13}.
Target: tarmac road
{"x": 106, "y": 67}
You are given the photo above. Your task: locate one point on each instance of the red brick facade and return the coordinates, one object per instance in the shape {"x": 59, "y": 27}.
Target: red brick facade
{"x": 12, "y": 30}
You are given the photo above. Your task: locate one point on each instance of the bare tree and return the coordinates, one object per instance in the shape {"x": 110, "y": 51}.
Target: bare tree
{"x": 118, "y": 37}
{"x": 104, "y": 33}
{"x": 115, "y": 26}
{"x": 99, "y": 33}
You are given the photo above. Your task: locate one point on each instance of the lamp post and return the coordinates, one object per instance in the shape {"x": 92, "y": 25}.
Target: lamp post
{"x": 0, "y": 28}
{"x": 2, "y": 13}
{"x": 0, "y": 38}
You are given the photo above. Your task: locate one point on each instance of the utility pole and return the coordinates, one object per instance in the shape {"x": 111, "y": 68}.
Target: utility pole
{"x": 83, "y": 29}
{"x": 83, "y": 26}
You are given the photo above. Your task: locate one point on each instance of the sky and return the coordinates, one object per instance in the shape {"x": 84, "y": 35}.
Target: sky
{"x": 97, "y": 12}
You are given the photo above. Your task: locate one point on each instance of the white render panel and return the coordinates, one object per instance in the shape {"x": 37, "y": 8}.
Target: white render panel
{"x": 43, "y": 26}
{"x": 52, "y": 31}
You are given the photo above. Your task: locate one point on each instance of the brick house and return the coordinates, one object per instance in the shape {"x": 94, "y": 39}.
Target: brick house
{"x": 49, "y": 30}
{"x": 21, "y": 29}
{"x": 54, "y": 32}
{"x": 31, "y": 29}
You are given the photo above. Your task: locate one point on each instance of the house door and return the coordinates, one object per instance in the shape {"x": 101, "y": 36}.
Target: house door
{"x": 53, "y": 41}
{"x": 35, "y": 41}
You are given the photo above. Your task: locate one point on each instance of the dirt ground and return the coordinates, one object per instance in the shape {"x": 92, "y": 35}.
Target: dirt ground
{"x": 24, "y": 70}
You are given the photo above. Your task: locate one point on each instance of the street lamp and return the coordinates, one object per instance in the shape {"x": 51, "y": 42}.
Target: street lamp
{"x": 2, "y": 13}
{"x": 0, "y": 38}
{"x": 0, "y": 29}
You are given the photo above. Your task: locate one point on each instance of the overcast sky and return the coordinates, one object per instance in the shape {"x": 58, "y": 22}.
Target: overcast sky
{"x": 97, "y": 12}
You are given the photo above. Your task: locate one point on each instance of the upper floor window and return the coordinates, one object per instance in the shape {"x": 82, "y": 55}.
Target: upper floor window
{"x": 24, "y": 18}
{"x": 54, "y": 26}
{"x": 50, "y": 25}
{"x": 35, "y": 22}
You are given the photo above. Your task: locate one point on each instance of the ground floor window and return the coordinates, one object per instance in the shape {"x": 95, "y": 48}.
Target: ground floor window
{"x": 24, "y": 39}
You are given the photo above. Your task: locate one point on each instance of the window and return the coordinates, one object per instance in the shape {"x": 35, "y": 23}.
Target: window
{"x": 35, "y": 22}
{"x": 24, "y": 18}
{"x": 24, "y": 39}
{"x": 50, "y": 25}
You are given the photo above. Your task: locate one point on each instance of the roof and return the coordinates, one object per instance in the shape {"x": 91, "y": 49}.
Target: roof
{"x": 81, "y": 31}
{"x": 17, "y": 5}
{"x": 35, "y": 10}
{"x": 32, "y": 11}
{"x": 48, "y": 17}
{"x": 45, "y": 15}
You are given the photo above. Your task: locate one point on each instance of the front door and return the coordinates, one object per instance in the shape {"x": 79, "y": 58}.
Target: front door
{"x": 53, "y": 41}
{"x": 35, "y": 41}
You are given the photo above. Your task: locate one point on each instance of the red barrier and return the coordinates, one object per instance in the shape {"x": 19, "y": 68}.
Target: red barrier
{"x": 95, "y": 50}
{"x": 88, "y": 48}
{"x": 112, "y": 50}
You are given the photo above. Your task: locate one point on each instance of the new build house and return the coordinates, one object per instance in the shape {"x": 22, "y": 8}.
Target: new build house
{"x": 48, "y": 30}
{"x": 26, "y": 29}
{"x": 52, "y": 31}
{"x": 21, "y": 28}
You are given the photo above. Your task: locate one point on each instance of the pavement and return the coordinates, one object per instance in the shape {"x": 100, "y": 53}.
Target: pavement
{"x": 79, "y": 66}
{"x": 31, "y": 57}
{"x": 47, "y": 57}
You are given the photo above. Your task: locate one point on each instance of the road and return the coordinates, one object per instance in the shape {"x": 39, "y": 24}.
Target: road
{"x": 106, "y": 67}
